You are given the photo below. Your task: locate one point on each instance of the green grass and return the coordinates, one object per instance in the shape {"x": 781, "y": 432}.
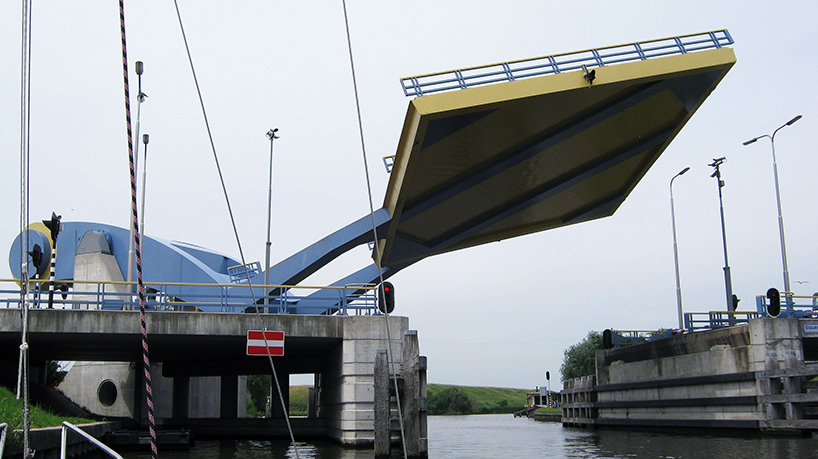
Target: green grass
{"x": 484, "y": 400}
{"x": 11, "y": 412}
{"x": 298, "y": 400}
{"x": 548, "y": 410}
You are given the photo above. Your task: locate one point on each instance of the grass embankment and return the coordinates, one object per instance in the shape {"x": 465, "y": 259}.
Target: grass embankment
{"x": 298, "y": 400}
{"x": 446, "y": 399}
{"x": 11, "y": 412}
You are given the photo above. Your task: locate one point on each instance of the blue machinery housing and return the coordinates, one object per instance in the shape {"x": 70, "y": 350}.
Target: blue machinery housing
{"x": 185, "y": 277}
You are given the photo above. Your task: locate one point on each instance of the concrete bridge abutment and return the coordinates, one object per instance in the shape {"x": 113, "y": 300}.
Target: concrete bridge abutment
{"x": 199, "y": 367}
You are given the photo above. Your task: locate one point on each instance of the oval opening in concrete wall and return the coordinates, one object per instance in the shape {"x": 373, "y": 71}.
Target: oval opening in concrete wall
{"x": 106, "y": 393}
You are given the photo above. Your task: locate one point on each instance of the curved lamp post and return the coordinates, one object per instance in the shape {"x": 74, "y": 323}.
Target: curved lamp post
{"x": 778, "y": 198}
{"x": 676, "y": 251}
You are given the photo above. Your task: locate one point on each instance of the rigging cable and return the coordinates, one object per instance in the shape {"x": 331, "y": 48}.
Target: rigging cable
{"x": 235, "y": 230}
{"x": 136, "y": 240}
{"x": 25, "y": 121}
{"x": 390, "y": 362}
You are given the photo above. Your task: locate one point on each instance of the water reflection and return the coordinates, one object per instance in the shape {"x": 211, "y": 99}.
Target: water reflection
{"x": 491, "y": 436}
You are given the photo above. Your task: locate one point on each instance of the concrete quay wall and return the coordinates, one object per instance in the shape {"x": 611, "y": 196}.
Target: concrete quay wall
{"x": 754, "y": 376}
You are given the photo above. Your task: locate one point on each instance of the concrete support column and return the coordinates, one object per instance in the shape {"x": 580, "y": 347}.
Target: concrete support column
{"x": 37, "y": 371}
{"x": 383, "y": 434}
{"x": 229, "y": 397}
{"x": 139, "y": 393}
{"x": 319, "y": 398}
{"x": 311, "y": 406}
{"x": 347, "y": 394}
{"x": 181, "y": 397}
{"x": 284, "y": 383}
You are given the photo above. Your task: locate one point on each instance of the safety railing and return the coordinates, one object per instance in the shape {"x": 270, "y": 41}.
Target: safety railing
{"x": 559, "y": 63}
{"x": 3, "y": 428}
{"x": 356, "y": 299}
{"x": 64, "y": 441}
{"x": 789, "y": 306}
{"x": 620, "y": 338}
{"x": 697, "y": 321}
{"x": 243, "y": 272}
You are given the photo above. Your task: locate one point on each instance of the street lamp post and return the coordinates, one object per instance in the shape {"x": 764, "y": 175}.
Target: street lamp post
{"x": 676, "y": 251}
{"x": 271, "y": 134}
{"x": 141, "y": 96}
{"x": 145, "y": 140}
{"x": 728, "y": 284}
{"x": 778, "y": 199}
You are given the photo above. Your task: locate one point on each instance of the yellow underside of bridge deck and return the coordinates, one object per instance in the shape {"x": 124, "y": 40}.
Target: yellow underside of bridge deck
{"x": 503, "y": 160}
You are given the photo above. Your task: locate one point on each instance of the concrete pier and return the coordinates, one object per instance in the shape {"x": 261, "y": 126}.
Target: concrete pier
{"x": 755, "y": 377}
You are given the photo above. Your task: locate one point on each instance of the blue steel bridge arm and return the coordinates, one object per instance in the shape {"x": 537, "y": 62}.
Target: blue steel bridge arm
{"x": 301, "y": 265}
{"x": 330, "y": 300}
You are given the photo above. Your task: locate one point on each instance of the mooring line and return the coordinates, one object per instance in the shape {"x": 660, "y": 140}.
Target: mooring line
{"x": 25, "y": 121}
{"x": 140, "y": 286}
{"x": 235, "y": 230}
{"x": 391, "y": 360}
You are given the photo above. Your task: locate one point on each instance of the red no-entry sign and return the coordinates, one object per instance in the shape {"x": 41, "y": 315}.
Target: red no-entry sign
{"x": 256, "y": 344}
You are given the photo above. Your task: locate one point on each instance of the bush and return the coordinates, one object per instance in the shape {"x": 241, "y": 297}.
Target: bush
{"x": 451, "y": 400}
{"x": 580, "y": 358}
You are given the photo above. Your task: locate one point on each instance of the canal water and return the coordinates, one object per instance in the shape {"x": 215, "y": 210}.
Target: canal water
{"x": 503, "y": 436}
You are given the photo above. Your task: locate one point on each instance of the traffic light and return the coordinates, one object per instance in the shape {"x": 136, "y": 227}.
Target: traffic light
{"x": 735, "y": 302}
{"x": 36, "y": 254}
{"x": 607, "y": 339}
{"x": 53, "y": 225}
{"x": 774, "y": 306}
{"x": 386, "y": 298}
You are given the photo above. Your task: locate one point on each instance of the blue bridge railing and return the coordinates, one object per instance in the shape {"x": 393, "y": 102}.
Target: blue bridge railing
{"x": 357, "y": 299}
{"x": 697, "y": 321}
{"x": 559, "y": 63}
{"x": 795, "y": 306}
{"x": 792, "y": 306}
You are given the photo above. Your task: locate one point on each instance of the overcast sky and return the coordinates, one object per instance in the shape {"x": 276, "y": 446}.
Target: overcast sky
{"x": 499, "y": 314}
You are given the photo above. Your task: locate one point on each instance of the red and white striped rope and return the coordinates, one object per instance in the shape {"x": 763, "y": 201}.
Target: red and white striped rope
{"x": 140, "y": 285}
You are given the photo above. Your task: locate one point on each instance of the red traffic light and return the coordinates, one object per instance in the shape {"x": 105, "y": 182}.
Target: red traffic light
{"x": 774, "y": 306}
{"x": 386, "y": 298}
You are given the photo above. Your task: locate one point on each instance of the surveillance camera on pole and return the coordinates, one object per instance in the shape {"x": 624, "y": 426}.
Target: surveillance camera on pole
{"x": 728, "y": 284}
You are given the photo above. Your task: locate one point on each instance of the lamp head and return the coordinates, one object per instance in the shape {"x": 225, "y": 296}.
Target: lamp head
{"x": 790, "y": 122}
{"x": 684, "y": 170}
{"x": 753, "y": 140}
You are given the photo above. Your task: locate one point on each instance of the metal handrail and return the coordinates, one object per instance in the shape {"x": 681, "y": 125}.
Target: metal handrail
{"x": 209, "y": 297}
{"x": 3, "y": 428}
{"x": 64, "y": 441}
{"x": 557, "y": 63}
{"x": 788, "y": 306}
{"x": 696, "y": 321}
{"x": 241, "y": 273}
{"x": 621, "y": 338}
